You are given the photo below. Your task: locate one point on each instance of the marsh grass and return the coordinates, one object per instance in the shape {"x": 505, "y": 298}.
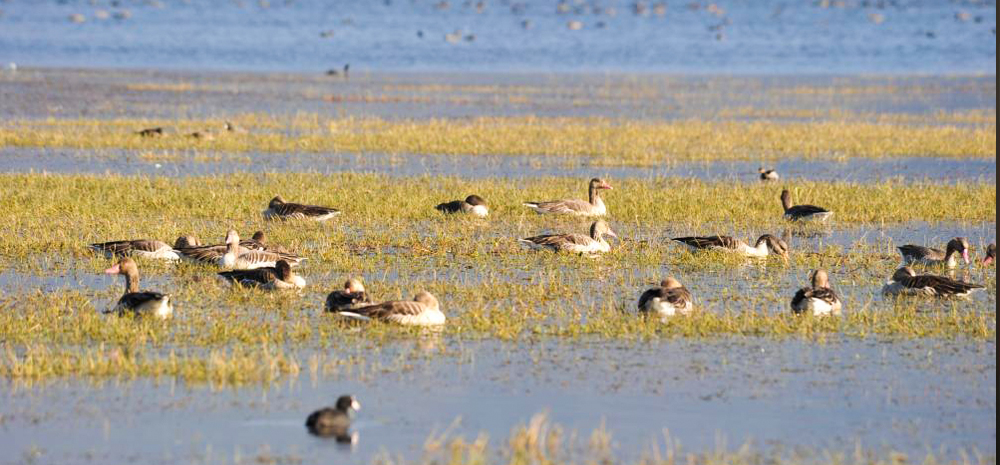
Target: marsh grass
{"x": 603, "y": 141}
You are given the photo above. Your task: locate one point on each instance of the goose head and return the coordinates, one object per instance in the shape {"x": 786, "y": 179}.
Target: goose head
{"x": 348, "y": 404}
{"x": 786, "y": 199}
{"x": 774, "y": 244}
{"x": 427, "y": 299}
{"x": 600, "y": 228}
{"x": 819, "y": 278}
{"x": 260, "y": 237}
{"x": 125, "y": 267}
{"x": 959, "y": 245}
{"x": 186, "y": 241}
{"x": 475, "y": 200}
{"x": 284, "y": 270}
{"x": 903, "y": 273}
{"x": 598, "y": 184}
{"x": 276, "y": 201}
{"x": 671, "y": 283}
{"x": 354, "y": 285}
{"x": 232, "y": 237}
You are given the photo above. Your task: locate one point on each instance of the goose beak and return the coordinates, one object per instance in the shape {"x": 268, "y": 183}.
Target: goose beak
{"x": 987, "y": 260}
{"x": 965, "y": 256}
{"x": 606, "y": 186}
{"x": 612, "y": 234}
{"x": 356, "y": 405}
{"x": 113, "y": 270}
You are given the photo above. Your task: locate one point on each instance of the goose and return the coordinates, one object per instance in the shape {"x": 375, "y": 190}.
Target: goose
{"x": 991, "y": 255}
{"x": 352, "y": 296}
{"x": 150, "y": 132}
{"x": 802, "y": 212}
{"x": 278, "y": 277}
{"x": 768, "y": 174}
{"x": 472, "y": 205}
{"x": 667, "y": 300}
{"x": 211, "y": 254}
{"x": 135, "y": 301}
{"x": 238, "y": 258}
{"x": 818, "y": 299}
{"x": 279, "y": 209}
{"x": 913, "y": 254}
{"x": 334, "y": 422}
{"x": 905, "y": 281}
{"x": 765, "y": 244}
{"x": 594, "y": 206}
{"x": 139, "y": 248}
{"x": 423, "y": 310}
{"x": 578, "y": 243}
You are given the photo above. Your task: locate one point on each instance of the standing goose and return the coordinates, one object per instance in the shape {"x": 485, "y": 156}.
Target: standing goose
{"x": 927, "y": 256}
{"x": 768, "y": 174}
{"x": 352, "y": 296}
{"x": 765, "y": 244}
{"x": 423, "y": 310}
{"x": 667, "y": 300}
{"x": 578, "y": 243}
{"x": 139, "y": 248}
{"x": 334, "y": 422}
{"x": 281, "y": 210}
{"x": 991, "y": 255}
{"x": 594, "y": 206}
{"x": 472, "y": 205}
{"x": 278, "y": 277}
{"x": 905, "y": 281}
{"x": 135, "y": 301}
{"x": 819, "y": 299}
{"x": 802, "y": 212}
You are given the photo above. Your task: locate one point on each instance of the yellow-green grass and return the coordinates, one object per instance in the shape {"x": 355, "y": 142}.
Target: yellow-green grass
{"x": 605, "y": 141}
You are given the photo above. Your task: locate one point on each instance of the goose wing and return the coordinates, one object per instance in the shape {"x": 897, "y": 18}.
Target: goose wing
{"x": 939, "y": 284}
{"x": 805, "y": 210}
{"x": 251, "y": 277}
{"x": 388, "y": 310}
{"x": 301, "y": 210}
{"x": 920, "y": 252}
{"x": 707, "y": 242}
{"x": 450, "y": 207}
{"x": 561, "y": 206}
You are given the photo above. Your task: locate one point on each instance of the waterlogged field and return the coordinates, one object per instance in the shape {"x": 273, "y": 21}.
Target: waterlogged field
{"x": 543, "y": 359}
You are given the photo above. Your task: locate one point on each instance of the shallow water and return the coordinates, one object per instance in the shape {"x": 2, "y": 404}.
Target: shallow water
{"x": 907, "y": 395}
{"x": 742, "y": 37}
{"x": 862, "y": 170}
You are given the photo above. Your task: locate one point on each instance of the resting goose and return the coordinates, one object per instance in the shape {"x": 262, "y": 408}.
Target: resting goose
{"x": 281, "y": 210}
{"x": 765, "y": 244}
{"x": 278, "y": 277}
{"x": 139, "y": 248}
{"x": 135, "y": 301}
{"x": 991, "y": 255}
{"x": 667, "y": 300}
{"x": 594, "y": 206}
{"x": 578, "y": 243}
{"x": 768, "y": 174}
{"x": 905, "y": 281}
{"x": 334, "y": 422}
{"x": 211, "y": 254}
{"x": 423, "y": 310}
{"x": 352, "y": 296}
{"x": 472, "y": 205}
{"x": 802, "y": 212}
{"x": 819, "y": 299}
{"x": 927, "y": 256}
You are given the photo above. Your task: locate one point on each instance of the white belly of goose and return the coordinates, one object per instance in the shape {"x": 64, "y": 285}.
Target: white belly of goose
{"x": 480, "y": 211}
{"x": 159, "y": 308}
{"x": 428, "y": 317}
{"x": 295, "y": 282}
{"x": 666, "y": 309}
{"x": 819, "y": 307}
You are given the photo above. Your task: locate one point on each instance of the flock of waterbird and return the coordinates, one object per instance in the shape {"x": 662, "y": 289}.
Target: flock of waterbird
{"x": 256, "y": 263}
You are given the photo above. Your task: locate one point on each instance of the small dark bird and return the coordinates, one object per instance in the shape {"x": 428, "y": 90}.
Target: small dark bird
{"x": 768, "y": 174}
{"x": 334, "y": 422}
{"x": 151, "y": 132}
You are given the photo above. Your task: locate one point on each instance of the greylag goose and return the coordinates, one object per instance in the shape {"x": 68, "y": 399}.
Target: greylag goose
{"x": 991, "y": 255}
{"x": 472, "y": 205}
{"x": 927, "y": 256}
{"x": 212, "y": 254}
{"x": 802, "y": 212}
{"x": 765, "y": 244}
{"x": 423, "y": 310}
{"x": 667, "y": 300}
{"x": 135, "y": 301}
{"x": 352, "y": 296}
{"x": 768, "y": 174}
{"x": 594, "y": 206}
{"x": 905, "y": 281}
{"x": 578, "y": 243}
{"x": 278, "y": 277}
{"x": 139, "y": 248}
{"x": 334, "y": 422}
{"x": 819, "y": 299}
{"x": 279, "y": 209}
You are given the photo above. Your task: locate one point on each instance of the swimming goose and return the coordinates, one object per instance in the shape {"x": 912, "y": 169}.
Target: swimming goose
{"x": 667, "y": 300}
{"x": 819, "y": 299}
{"x": 579, "y": 243}
{"x": 139, "y": 248}
{"x": 768, "y": 174}
{"x": 423, "y": 310}
{"x": 278, "y": 277}
{"x": 765, "y": 244}
{"x": 594, "y": 206}
{"x": 334, "y": 422}
{"x": 802, "y": 212}
{"x": 473, "y": 205}
{"x": 279, "y": 209}
{"x": 135, "y": 301}
{"x": 905, "y": 281}
{"x": 927, "y": 256}
{"x": 991, "y": 255}
{"x": 352, "y": 296}
{"x": 211, "y": 254}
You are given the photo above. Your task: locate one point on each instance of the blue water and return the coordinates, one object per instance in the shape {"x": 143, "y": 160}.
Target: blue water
{"x": 762, "y": 37}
